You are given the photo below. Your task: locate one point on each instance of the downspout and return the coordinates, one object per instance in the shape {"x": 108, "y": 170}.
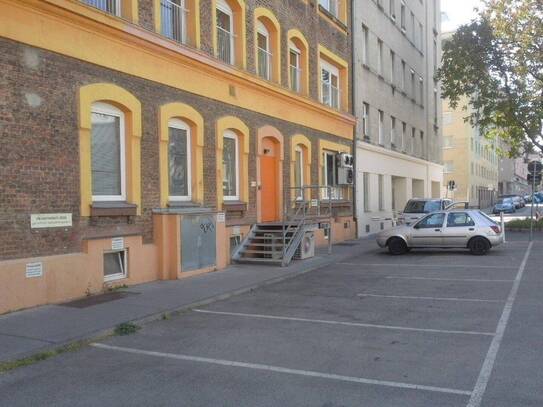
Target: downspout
{"x": 353, "y": 111}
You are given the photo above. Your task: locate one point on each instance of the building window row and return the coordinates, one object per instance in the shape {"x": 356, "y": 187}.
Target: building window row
{"x": 410, "y": 26}
{"x": 401, "y": 76}
{"x": 178, "y": 20}
{"x": 110, "y": 138}
{"x": 401, "y": 137}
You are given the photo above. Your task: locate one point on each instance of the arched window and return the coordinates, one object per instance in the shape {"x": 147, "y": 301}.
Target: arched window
{"x": 179, "y": 161}
{"x": 298, "y": 62}
{"x": 264, "y": 53}
{"x": 225, "y": 32}
{"x": 230, "y": 160}
{"x": 108, "y": 172}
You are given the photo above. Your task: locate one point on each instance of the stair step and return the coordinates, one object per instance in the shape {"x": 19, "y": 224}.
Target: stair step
{"x": 259, "y": 261}
{"x": 262, "y": 244}
{"x": 269, "y": 252}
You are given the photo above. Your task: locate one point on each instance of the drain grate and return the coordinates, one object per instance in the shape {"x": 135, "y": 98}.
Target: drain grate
{"x": 98, "y": 299}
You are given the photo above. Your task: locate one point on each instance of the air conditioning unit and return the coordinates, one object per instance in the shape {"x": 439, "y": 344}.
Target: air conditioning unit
{"x": 345, "y": 160}
{"x": 345, "y": 176}
{"x": 306, "y": 249}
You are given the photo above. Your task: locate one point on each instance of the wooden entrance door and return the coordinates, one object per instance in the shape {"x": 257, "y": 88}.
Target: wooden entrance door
{"x": 269, "y": 191}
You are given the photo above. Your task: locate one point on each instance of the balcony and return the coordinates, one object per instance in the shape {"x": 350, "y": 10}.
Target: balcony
{"x": 225, "y": 45}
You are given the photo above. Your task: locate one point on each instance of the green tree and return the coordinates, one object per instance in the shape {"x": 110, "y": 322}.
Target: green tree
{"x": 496, "y": 62}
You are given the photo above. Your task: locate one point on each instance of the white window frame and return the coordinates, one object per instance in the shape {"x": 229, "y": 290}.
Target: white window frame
{"x": 379, "y": 56}
{"x": 366, "y": 191}
{"x": 393, "y": 130}
{"x": 332, "y": 71}
{"x": 334, "y": 188}
{"x": 328, "y": 5}
{"x": 118, "y": 276}
{"x": 93, "y": 3}
{"x": 300, "y": 165}
{"x": 261, "y": 29}
{"x": 223, "y": 6}
{"x": 381, "y": 187}
{"x": 180, "y": 124}
{"x": 381, "y": 128}
{"x": 183, "y": 14}
{"x": 392, "y": 67}
{"x": 107, "y": 109}
{"x": 404, "y": 67}
{"x": 231, "y": 135}
{"x": 365, "y": 45}
{"x": 365, "y": 119}
{"x": 392, "y": 9}
{"x": 292, "y": 48}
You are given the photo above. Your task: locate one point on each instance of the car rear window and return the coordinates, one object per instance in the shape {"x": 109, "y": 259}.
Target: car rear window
{"x": 422, "y": 206}
{"x": 488, "y": 218}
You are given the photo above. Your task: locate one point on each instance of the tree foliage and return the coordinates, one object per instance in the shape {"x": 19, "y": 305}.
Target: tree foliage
{"x": 496, "y": 64}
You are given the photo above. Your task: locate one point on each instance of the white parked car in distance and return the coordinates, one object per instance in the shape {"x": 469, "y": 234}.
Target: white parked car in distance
{"x": 416, "y": 208}
{"x": 458, "y": 228}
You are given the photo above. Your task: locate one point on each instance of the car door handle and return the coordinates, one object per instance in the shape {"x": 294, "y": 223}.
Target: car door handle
{"x": 437, "y": 230}
{"x": 471, "y": 229}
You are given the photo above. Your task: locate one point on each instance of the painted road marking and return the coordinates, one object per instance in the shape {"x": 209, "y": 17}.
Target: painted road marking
{"x": 352, "y": 324}
{"x": 469, "y": 266}
{"x": 486, "y": 371}
{"x": 279, "y": 369}
{"x": 481, "y": 280}
{"x": 409, "y": 297}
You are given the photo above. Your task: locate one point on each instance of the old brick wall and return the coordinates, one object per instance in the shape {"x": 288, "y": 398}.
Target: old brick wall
{"x": 39, "y": 150}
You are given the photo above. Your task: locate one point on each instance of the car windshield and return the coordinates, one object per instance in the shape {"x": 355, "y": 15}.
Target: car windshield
{"x": 422, "y": 206}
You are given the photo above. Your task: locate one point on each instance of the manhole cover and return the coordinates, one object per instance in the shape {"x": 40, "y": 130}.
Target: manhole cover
{"x": 98, "y": 299}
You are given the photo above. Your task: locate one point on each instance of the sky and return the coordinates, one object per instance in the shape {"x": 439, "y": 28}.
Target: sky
{"x": 458, "y": 12}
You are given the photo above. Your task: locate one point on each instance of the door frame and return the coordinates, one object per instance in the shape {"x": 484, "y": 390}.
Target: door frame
{"x": 273, "y": 133}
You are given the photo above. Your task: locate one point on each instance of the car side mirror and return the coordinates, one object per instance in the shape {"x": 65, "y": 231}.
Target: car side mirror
{"x": 416, "y": 227}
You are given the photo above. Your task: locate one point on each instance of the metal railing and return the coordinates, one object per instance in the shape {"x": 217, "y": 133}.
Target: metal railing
{"x": 295, "y": 78}
{"x": 264, "y": 64}
{"x": 225, "y": 45}
{"x": 109, "y": 6}
{"x": 173, "y": 21}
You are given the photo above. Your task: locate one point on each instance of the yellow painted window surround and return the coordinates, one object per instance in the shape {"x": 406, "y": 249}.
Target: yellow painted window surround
{"x": 131, "y": 108}
{"x": 343, "y": 68}
{"x": 195, "y": 121}
{"x": 188, "y": 14}
{"x": 342, "y": 14}
{"x": 230, "y": 123}
{"x": 272, "y": 26}
{"x": 240, "y": 37}
{"x": 296, "y": 38}
{"x": 302, "y": 142}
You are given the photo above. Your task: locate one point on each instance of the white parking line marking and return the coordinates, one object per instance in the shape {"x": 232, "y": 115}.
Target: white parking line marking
{"x": 279, "y": 369}
{"x": 355, "y": 324}
{"x": 484, "y": 376}
{"x": 469, "y": 266}
{"x": 481, "y": 280}
{"x": 408, "y": 297}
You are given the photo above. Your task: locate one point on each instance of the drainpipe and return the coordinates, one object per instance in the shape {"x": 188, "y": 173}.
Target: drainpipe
{"x": 353, "y": 110}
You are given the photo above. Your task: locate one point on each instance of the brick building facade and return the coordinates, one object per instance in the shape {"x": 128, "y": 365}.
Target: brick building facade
{"x": 73, "y": 56}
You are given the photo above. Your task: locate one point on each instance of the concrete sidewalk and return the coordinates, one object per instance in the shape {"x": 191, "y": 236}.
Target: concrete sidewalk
{"x": 27, "y": 332}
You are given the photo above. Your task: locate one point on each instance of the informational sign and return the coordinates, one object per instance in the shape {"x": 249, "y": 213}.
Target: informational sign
{"x": 314, "y": 202}
{"x": 117, "y": 243}
{"x": 221, "y": 217}
{"x": 34, "y": 270}
{"x": 50, "y": 220}
{"x": 236, "y": 231}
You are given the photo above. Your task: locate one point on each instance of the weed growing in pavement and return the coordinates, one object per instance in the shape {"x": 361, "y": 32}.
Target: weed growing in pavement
{"x": 126, "y": 328}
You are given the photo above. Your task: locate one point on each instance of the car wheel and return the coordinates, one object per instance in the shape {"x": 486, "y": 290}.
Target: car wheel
{"x": 397, "y": 246}
{"x": 479, "y": 246}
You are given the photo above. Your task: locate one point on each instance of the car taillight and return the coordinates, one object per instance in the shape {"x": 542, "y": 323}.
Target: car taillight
{"x": 496, "y": 229}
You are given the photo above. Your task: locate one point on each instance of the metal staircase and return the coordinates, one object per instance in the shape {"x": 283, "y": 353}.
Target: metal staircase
{"x": 276, "y": 243}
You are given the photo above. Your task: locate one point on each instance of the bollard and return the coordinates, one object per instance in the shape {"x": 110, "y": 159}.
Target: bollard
{"x": 503, "y": 226}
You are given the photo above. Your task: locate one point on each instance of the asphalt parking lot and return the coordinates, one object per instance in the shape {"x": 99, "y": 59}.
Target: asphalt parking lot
{"x": 425, "y": 329}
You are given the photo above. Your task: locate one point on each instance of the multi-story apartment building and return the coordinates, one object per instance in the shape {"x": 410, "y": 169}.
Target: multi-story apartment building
{"x": 397, "y": 103}
{"x": 469, "y": 159}
{"x": 141, "y": 139}
{"x": 513, "y": 177}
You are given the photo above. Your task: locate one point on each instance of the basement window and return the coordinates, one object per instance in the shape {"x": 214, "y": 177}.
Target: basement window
{"x": 115, "y": 265}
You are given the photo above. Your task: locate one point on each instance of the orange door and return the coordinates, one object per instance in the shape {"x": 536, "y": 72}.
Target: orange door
{"x": 269, "y": 198}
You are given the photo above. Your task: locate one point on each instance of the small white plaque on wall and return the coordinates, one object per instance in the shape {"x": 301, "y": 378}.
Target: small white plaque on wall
{"x": 34, "y": 270}
{"x": 50, "y": 220}
{"x": 236, "y": 231}
{"x": 117, "y": 243}
{"x": 221, "y": 217}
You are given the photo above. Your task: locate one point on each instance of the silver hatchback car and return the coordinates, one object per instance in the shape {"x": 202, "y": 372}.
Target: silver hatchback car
{"x": 467, "y": 228}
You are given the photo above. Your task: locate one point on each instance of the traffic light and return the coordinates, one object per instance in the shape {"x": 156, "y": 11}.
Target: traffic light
{"x": 534, "y": 172}
{"x": 452, "y": 185}
{"x": 537, "y": 180}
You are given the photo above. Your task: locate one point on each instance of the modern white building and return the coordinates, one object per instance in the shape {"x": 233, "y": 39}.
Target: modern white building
{"x": 398, "y": 105}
